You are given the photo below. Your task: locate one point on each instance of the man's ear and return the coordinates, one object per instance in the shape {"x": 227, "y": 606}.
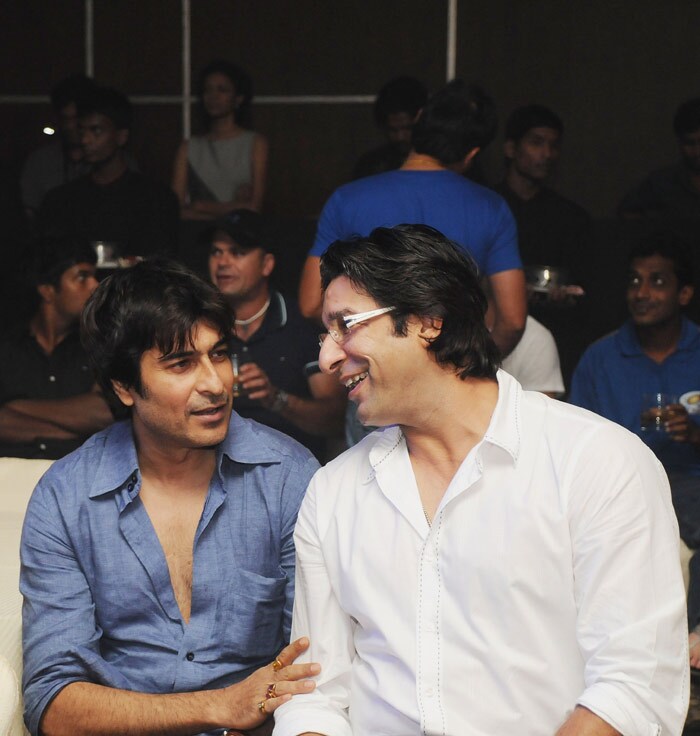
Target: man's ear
{"x": 509, "y": 149}
{"x": 268, "y": 264}
{"x": 461, "y": 166}
{"x": 685, "y": 295}
{"x": 47, "y": 292}
{"x": 430, "y": 328}
{"x": 123, "y": 393}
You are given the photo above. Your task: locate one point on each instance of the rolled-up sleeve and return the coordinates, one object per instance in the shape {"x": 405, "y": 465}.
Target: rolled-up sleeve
{"x": 318, "y": 615}
{"x": 631, "y": 624}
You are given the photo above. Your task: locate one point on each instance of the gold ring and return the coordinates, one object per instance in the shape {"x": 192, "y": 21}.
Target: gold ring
{"x": 261, "y": 707}
{"x": 277, "y": 665}
{"x": 271, "y": 692}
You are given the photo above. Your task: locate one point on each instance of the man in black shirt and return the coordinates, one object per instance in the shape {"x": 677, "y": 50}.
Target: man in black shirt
{"x": 672, "y": 192}
{"x": 275, "y": 350}
{"x": 49, "y": 402}
{"x": 111, "y": 203}
{"x": 551, "y": 228}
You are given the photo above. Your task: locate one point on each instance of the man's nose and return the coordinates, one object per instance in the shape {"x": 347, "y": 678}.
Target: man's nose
{"x": 209, "y": 379}
{"x": 331, "y": 355}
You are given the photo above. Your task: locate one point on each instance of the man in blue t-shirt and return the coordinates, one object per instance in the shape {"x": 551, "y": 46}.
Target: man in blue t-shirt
{"x": 656, "y": 351}
{"x": 429, "y": 189}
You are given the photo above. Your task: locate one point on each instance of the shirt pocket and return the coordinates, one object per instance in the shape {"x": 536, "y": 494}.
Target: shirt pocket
{"x": 254, "y": 612}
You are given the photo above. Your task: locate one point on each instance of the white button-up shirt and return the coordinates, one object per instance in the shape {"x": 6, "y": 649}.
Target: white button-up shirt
{"x": 550, "y": 577}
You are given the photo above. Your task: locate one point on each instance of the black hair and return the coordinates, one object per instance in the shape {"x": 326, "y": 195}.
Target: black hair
{"x": 420, "y": 272}
{"x": 454, "y": 121}
{"x": 403, "y": 94}
{"x": 52, "y": 256}
{"x": 669, "y": 246}
{"x": 687, "y": 118}
{"x": 108, "y": 102}
{"x": 524, "y": 119}
{"x": 155, "y": 303}
{"x": 242, "y": 83}
{"x": 70, "y": 89}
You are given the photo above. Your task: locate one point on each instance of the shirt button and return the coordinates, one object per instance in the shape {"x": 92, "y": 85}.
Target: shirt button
{"x": 190, "y": 656}
{"x": 130, "y": 487}
{"x": 42, "y": 446}
{"x": 52, "y": 379}
{"x": 429, "y": 692}
{"x": 430, "y": 626}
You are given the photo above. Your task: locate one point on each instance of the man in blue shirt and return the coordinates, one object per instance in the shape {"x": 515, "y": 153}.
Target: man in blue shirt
{"x": 158, "y": 559}
{"x": 656, "y": 351}
{"x": 430, "y": 189}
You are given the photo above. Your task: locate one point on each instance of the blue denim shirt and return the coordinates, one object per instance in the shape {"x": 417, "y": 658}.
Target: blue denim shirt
{"x": 98, "y": 601}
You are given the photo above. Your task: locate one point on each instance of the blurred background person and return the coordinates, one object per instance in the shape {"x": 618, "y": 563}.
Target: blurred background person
{"x": 111, "y": 203}
{"x": 395, "y": 110}
{"x": 279, "y": 382}
{"x": 61, "y": 160}
{"x": 672, "y": 191}
{"x": 226, "y": 168}
{"x": 49, "y": 403}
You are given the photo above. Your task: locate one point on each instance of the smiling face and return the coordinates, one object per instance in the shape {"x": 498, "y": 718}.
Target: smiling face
{"x": 239, "y": 274}
{"x": 535, "y": 154}
{"x": 654, "y": 296}
{"x": 185, "y": 398}
{"x": 382, "y": 371}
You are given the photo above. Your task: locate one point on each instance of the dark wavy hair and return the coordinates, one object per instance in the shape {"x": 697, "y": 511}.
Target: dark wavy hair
{"x": 454, "y": 121}
{"x": 420, "y": 272}
{"x": 242, "y": 84}
{"x": 156, "y": 303}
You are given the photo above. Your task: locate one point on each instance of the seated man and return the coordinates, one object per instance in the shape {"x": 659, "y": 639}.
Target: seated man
{"x": 274, "y": 347}
{"x": 395, "y": 110}
{"x": 61, "y": 160}
{"x": 673, "y": 191}
{"x": 455, "y": 124}
{"x": 49, "y": 403}
{"x": 656, "y": 351}
{"x": 111, "y": 203}
{"x": 497, "y": 563}
{"x": 158, "y": 560}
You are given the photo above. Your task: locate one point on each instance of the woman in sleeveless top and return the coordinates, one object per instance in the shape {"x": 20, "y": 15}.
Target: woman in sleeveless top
{"x": 226, "y": 168}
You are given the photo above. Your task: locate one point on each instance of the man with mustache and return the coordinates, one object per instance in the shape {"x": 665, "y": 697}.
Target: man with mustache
{"x": 158, "y": 559}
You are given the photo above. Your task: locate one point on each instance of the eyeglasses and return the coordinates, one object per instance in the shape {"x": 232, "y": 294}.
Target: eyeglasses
{"x": 339, "y": 328}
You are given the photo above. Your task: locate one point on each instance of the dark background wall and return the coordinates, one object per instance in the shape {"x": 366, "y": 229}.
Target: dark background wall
{"x": 614, "y": 70}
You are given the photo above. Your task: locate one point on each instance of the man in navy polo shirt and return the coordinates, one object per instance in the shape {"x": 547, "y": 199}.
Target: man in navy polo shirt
{"x": 656, "y": 351}
{"x": 274, "y": 348}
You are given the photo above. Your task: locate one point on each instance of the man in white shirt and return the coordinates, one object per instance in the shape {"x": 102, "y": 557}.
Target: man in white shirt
{"x": 498, "y": 562}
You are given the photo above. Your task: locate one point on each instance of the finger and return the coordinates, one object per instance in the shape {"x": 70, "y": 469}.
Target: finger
{"x": 292, "y": 651}
{"x": 297, "y": 687}
{"x": 298, "y": 671}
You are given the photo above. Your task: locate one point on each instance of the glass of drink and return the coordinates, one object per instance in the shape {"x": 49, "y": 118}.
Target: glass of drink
{"x": 237, "y": 385}
{"x": 657, "y": 409}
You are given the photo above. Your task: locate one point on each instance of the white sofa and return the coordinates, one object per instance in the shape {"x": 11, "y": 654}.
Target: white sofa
{"x": 17, "y": 480}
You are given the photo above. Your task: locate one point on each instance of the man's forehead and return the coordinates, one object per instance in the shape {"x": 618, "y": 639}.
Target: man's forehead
{"x": 656, "y": 263}
{"x": 201, "y": 338}
{"x": 222, "y": 239}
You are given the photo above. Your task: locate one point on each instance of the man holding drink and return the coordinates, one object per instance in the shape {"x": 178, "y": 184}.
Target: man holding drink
{"x": 646, "y": 376}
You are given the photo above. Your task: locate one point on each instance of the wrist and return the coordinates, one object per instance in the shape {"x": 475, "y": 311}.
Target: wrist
{"x": 279, "y": 401}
